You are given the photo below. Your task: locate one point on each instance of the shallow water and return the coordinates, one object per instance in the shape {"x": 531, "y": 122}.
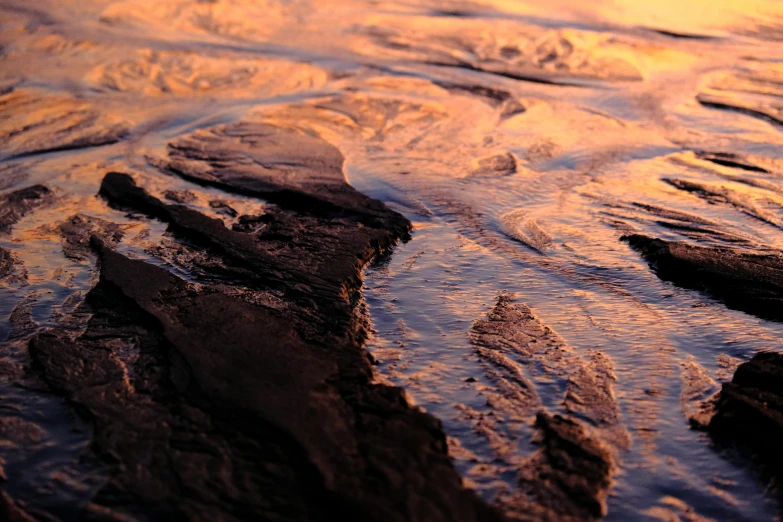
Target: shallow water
{"x": 522, "y": 139}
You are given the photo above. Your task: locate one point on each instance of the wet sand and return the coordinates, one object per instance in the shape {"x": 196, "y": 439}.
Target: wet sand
{"x": 390, "y": 261}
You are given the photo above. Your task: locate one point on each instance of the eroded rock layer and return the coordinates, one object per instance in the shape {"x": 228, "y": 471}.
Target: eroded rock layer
{"x": 223, "y": 402}
{"x": 749, "y": 412}
{"x": 748, "y": 282}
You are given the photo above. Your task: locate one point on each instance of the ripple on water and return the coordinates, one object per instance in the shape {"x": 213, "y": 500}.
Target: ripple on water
{"x": 523, "y": 138}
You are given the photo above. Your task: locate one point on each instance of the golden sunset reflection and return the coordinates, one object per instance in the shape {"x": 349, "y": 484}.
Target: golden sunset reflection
{"x": 523, "y": 139}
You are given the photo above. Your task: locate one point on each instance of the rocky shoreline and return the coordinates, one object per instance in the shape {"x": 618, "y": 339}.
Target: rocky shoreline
{"x": 252, "y": 399}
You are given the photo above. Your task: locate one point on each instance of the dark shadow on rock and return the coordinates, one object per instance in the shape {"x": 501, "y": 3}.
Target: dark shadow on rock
{"x": 749, "y": 416}
{"x": 14, "y": 205}
{"x": 751, "y": 283}
{"x": 209, "y": 404}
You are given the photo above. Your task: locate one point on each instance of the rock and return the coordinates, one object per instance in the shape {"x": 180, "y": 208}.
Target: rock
{"x": 7, "y": 263}
{"x": 722, "y": 195}
{"x": 728, "y": 159}
{"x": 76, "y": 232}
{"x": 21, "y": 319}
{"x": 247, "y": 223}
{"x": 209, "y": 404}
{"x": 494, "y": 97}
{"x": 281, "y": 256}
{"x": 519, "y": 349}
{"x": 226, "y": 408}
{"x": 14, "y": 205}
{"x": 290, "y": 168}
{"x": 10, "y": 511}
{"x": 498, "y": 165}
{"x": 180, "y": 196}
{"x": 36, "y": 121}
{"x": 568, "y": 479}
{"x": 748, "y": 282}
{"x": 223, "y": 208}
{"x": 749, "y": 416}
{"x": 749, "y": 409}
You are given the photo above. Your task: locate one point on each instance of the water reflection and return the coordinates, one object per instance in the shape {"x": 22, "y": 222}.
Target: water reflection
{"x": 523, "y": 139}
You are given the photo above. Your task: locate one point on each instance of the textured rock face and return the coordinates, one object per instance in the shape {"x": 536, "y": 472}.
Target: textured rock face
{"x": 284, "y": 166}
{"x": 64, "y": 122}
{"x": 747, "y": 282}
{"x": 16, "y": 204}
{"x": 568, "y": 477}
{"x": 253, "y": 399}
{"x": 6, "y": 263}
{"x": 749, "y": 410}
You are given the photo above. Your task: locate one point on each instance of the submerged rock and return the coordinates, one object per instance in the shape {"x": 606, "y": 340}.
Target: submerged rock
{"x": 749, "y": 282}
{"x": 180, "y": 196}
{"x": 11, "y": 511}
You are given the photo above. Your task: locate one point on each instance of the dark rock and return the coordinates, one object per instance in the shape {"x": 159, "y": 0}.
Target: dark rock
{"x": 180, "y": 196}
{"x": 76, "y": 232}
{"x": 727, "y": 159}
{"x": 281, "y": 256}
{"x": 37, "y": 121}
{"x": 497, "y": 165}
{"x": 208, "y": 405}
{"x": 751, "y": 405}
{"x": 748, "y": 282}
{"x": 16, "y": 204}
{"x": 721, "y": 195}
{"x": 749, "y": 412}
{"x": 21, "y": 318}
{"x": 250, "y": 223}
{"x": 569, "y": 478}
{"x": 767, "y": 112}
{"x": 511, "y": 334}
{"x": 7, "y": 263}
{"x": 494, "y": 97}
{"x": 221, "y": 207}
{"x": 222, "y": 390}
{"x": 10, "y": 511}
{"x": 287, "y": 167}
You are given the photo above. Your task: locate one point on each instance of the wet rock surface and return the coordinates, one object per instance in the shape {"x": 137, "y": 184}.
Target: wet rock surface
{"x": 6, "y": 263}
{"x": 14, "y": 205}
{"x": 748, "y": 282}
{"x": 287, "y": 167}
{"x": 570, "y": 476}
{"x": 212, "y": 404}
{"x": 289, "y": 430}
{"x": 518, "y": 347}
{"x": 522, "y": 139}
{"x": 749, "y": 412}
{"x": 64, "y": 123}
{"x": 77, "y": 230}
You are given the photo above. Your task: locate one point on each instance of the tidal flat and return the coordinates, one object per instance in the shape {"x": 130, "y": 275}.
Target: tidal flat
{"x": 465, "y": 260}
